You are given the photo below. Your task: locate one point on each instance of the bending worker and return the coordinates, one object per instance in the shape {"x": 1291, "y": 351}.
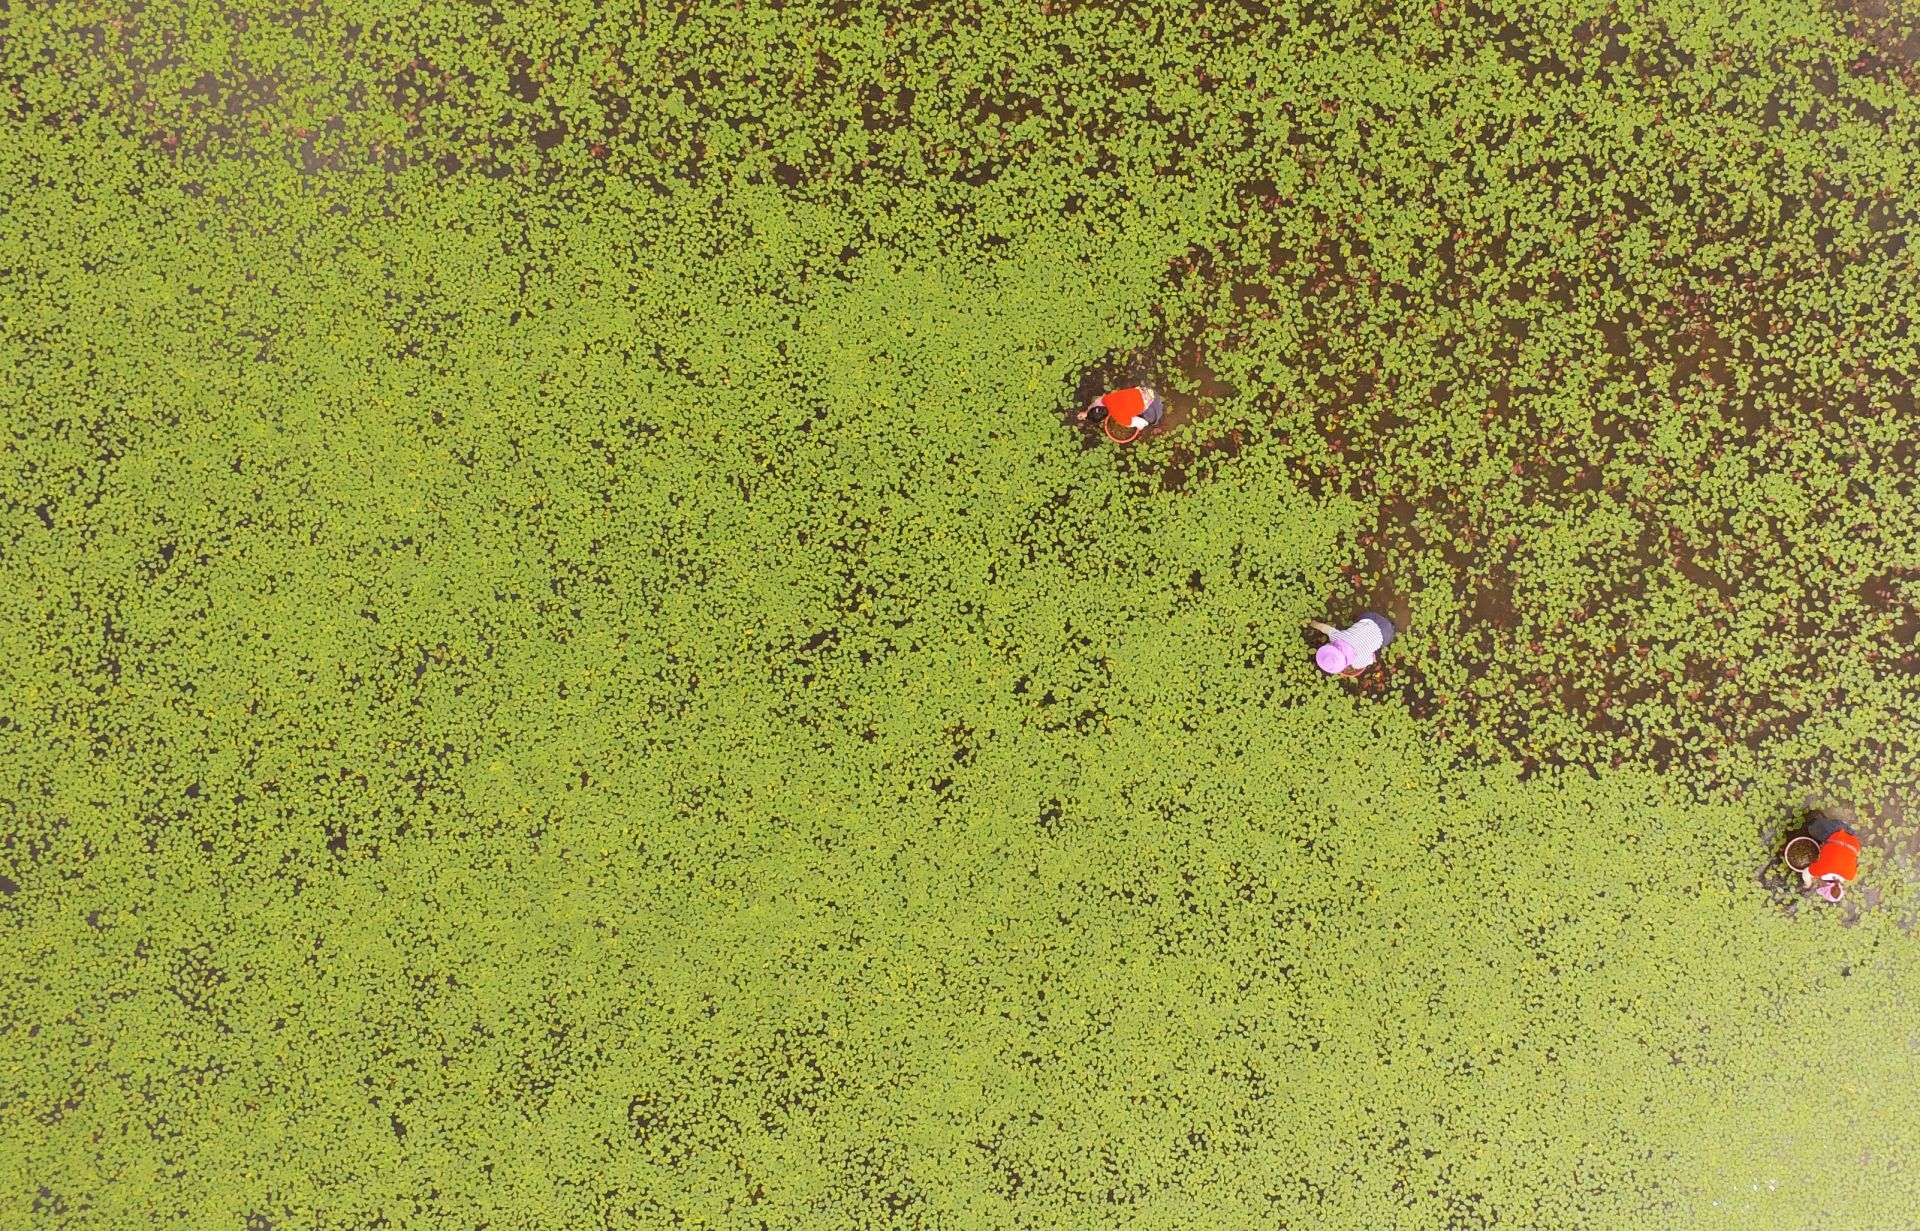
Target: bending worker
{"x": 1138, "y": 408}
{"x": 1839, "y": 859}
{"x": 1349, "y": 651}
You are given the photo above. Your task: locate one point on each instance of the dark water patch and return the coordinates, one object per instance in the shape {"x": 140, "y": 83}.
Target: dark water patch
{"x": 1895, "y": 596}
{"x": 1889, "y": 35}
{"x": 1389, "y": 548}
{"x": 524, "y": 76}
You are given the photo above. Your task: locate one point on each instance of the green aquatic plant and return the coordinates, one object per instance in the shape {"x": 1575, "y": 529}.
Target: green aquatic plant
{"x": 562, "y": 667}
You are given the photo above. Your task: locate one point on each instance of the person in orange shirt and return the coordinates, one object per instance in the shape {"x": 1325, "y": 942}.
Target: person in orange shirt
{"x": 1838, "y": 861}
{"x": 1138, "y": 408}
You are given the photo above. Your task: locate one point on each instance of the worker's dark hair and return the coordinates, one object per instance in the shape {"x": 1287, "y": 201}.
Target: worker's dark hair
{"x": 1096, "y": 412}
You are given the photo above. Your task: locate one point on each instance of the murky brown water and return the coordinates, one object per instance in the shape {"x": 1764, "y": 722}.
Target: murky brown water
{"x": 1685, "y": 347}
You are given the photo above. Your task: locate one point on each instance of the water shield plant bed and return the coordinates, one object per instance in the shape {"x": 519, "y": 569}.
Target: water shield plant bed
{"x": 564, "y": 668}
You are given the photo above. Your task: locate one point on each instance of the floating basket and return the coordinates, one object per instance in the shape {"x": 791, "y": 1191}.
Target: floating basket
{"x": 1133, "y": 433}
{"x": 1800, "y": 854}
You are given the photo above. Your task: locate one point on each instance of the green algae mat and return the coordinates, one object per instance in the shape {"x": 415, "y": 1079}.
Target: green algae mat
{"x": 562, "y": 667}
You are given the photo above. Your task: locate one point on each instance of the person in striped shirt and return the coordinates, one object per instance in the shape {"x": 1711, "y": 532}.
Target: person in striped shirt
{"x": 1351, "y": 650}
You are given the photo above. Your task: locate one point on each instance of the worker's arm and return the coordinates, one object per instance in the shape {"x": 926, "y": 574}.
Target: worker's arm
{"x": 1328, "y": 629}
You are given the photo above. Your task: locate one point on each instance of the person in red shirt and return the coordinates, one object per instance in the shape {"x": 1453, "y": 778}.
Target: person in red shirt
{"x": 1838, "y": 861}
{"x": 1138, "y": 408}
